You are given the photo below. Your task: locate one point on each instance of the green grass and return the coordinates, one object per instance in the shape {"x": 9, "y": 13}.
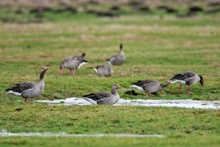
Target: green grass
{"x": 97, "y": 119}
{"x": 155, "y": 48}
{"x": 112, "y": 141}
{"x": 177, "y": 124}
{"x": 155, "y": 51}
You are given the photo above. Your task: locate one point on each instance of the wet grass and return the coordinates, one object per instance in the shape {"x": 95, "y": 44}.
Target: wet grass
{"x": 155, "y": 48}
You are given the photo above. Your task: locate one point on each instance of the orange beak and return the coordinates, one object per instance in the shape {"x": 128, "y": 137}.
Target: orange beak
{"x": 120, "y": 87}
{"x": 46, "y": 68}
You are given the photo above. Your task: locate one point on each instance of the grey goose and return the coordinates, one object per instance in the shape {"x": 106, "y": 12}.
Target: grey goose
{"x": 105, "y": 98}
{"x": 117, "y": 59}
{"x": 29, "y": 90}
{"x": 150, "y": 86}
{"x": 104, "y": 70}
{"x": 73, "y": 63}
{"x": 187, "y": 78}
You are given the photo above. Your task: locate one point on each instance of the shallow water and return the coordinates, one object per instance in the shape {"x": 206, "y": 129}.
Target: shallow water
{"x": 188, "y": 103}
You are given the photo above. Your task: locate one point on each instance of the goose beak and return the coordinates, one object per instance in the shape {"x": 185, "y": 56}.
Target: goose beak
{"x": 46, "y": 68}
{"x": 120, "y": 87}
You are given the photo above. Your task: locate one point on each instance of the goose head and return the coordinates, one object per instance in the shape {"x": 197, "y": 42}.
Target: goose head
{"x": 166, "y": 83}
{"x": 83, "y": 54}
{"x": 43, "y": 70}
{"x": 121, "y": 46}
{"x": 116, "y": 86}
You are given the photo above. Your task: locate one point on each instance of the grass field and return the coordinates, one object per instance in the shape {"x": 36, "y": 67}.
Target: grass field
{"x": 155, "y": 47}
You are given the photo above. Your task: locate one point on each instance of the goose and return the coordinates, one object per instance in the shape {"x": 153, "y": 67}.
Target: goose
{"x": 187, "y": 78}
{"x": 29, "y": 90}
{"x": 117, "y": 59}
{"x": 153, "y": 86}
{"x": 104, "y": 98}
{"x": 104, "y": 70}
{"x": 73, "y": 62}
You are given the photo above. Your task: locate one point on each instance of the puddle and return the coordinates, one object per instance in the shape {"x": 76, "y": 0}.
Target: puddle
{"x": 188, "y": 103}
{"x": 8, "y": 134}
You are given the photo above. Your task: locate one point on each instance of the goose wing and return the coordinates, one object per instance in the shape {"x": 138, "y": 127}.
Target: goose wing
{"x": 183, "y": 76}
{"x": 189, "y": 74}
{"x": 98, "y": 96}
{"x": 72, "y": 59}
{"x": 104, "y": 68}
{"x": 141, "y": 82}
{"x": 178, "y": 77}
{"x": 21, "y": 87}
{"x": 112, "y": 58}
{"x": 150, "y": 82}
{"x": 100, "y": 66}
{"x": 67, "y": 59}
{"x": 79, "y": 60}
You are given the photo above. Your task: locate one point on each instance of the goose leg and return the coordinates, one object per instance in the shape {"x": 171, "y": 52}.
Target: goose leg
{"x": 74, "y": 72}
{"x": 25, "y": 100}
{"x": 71, "y": 73}
{"x": 61, "y": 71}
{"x": 189, "y": 92}
{"x": 180, "y": 88}
{"x": 149, "y": 95}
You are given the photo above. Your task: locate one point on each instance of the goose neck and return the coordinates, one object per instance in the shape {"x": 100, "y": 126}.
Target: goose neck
{"x": 113, "y": 91}
{"x": 42, "y": 75}
{"x": 164, "y": 84}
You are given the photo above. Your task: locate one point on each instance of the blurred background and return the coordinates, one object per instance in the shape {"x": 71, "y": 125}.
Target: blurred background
{"x": 24, "y": 11}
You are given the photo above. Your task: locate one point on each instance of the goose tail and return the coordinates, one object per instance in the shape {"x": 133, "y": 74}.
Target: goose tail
{"x": 91, "y": 101}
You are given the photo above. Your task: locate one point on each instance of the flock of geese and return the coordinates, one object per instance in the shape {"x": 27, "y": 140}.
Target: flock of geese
{"x": 29, "y": 90}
